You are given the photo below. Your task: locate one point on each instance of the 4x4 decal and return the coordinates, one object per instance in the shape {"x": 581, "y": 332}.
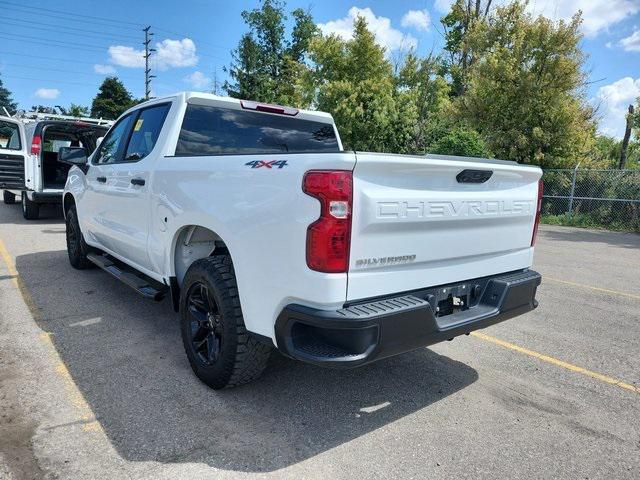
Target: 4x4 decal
{"x": 269, "y": 164}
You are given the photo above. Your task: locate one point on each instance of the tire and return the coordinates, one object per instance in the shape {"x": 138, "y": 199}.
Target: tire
{"x": 8, "y": 197}
{"x": 77, "y": 249}
{"x": 30, "y": 210}
{"x": 220, "y": 350}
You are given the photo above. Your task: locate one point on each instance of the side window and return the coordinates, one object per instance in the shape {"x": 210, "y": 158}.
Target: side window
{"x": 113, "y": 144}
{"x": 9, "y": 136}
{"x": 146, "y": 131}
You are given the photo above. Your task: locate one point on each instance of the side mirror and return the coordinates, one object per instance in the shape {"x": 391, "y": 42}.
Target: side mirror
{"x": 99, "y": 141}
{"x": 72, "y": 156}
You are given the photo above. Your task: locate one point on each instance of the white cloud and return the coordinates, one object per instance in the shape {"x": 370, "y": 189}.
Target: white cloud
{"x": 418, "y": 19}
{"x": 614, "y": 99}
{"x": 632, "y": 42}
{"x": 126, "y": 56}
{"x": 443, "y": 6}
{"x": 176, "y": 53}
{"x": 169, "y": 54}
{"x": 103, "y": 69}
{"x": 198, "y": 80}
{"x": 597, "y": 15}
{"x": 47, "y": 93}
{"x": 385, "y": 34}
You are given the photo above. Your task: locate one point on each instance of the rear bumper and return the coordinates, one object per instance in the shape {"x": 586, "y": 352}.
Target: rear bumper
{"x": 46, "y": 197}
{"x": 363, "y": 332}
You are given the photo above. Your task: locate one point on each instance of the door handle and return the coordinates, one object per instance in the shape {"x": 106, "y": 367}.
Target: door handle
{"x": 137, "y": 181}
{"x": 101, "y": 179}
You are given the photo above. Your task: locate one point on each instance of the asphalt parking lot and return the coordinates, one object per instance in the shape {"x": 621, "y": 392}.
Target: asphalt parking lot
{"x": 94, "y": 383}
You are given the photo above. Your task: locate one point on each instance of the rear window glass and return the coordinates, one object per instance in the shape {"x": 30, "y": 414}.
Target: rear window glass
{"x": 213, "y": 130}
{"x": 54, "y": 145}
{"x": 9, "y": 136}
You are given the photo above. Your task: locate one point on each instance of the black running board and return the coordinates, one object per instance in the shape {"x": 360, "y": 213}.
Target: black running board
{"x": 146, "y": 287}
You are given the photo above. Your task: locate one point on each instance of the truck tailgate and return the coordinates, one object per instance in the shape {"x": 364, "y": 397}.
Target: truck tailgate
{"x": 420, "y": 222}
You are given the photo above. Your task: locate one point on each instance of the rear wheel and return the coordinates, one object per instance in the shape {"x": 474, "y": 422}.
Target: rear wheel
{"x": 8, "y": 197}
{"x": 220, "y": 350}
{"x": 77, "y": 249}
{"x": 30, "y": 210}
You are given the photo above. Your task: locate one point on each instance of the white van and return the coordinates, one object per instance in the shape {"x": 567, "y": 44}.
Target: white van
{"x": 29, "y": 166}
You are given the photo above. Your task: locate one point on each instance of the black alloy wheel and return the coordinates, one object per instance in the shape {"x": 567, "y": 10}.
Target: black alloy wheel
{"x": 205, "y": 321}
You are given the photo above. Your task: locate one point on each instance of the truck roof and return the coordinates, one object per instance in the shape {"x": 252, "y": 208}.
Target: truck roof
{"x": 228, "y": 102}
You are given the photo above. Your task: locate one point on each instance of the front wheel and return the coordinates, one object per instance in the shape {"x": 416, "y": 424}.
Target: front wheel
{"x": 30, "y": 209}
{"x": 8, "y": 197}
{"x": 219, "y": 348}
{"x": 77, "y": 249}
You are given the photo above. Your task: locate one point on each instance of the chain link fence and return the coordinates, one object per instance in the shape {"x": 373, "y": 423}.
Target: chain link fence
{"x": 592, "y": 198}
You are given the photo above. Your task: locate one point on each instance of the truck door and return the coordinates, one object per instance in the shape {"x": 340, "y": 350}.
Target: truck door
{"x": 121, "y": 202}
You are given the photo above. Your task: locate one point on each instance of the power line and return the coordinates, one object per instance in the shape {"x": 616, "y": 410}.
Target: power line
{"x": 61, "y": 12}
{"x": 199, "y": 40}
{"x": 71, "y": 60}
{"x": 72, "y": 14}
{"x": 8, "y": 21}
{"x": 30, "y": 39}
{"x": 75, "y": 72}
{"x": 84, "y": 84}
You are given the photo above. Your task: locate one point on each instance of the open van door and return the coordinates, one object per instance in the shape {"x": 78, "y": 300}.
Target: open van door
{"x": 13, "y": 152}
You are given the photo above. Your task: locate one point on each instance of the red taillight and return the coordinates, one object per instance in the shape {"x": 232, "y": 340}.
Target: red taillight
{"x": 329, "y": 237}
{"x": 35, "y": 145}
{"x": 538, "y": 213}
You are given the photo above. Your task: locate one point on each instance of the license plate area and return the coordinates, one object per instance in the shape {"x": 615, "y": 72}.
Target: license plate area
{"x": 450, "y": 300}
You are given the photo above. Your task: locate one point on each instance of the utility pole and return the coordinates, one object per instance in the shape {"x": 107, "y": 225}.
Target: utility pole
{"x": 147, "y": 53}
{"x": 625, "y": 141}
{"x": 216, "y": 86}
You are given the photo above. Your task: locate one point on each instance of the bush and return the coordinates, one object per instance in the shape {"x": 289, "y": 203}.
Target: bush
{"x": 461, "y": 141}
{"x": 586, "y": 220}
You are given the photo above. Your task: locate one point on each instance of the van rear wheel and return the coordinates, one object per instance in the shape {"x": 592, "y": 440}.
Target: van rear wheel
{"x": 8, "y": 197}
{"x": 220, "y": 350}
{"x": 30, "y": 210}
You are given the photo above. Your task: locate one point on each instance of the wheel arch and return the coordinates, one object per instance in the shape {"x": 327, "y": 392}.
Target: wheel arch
{"x": 191, "y": 243}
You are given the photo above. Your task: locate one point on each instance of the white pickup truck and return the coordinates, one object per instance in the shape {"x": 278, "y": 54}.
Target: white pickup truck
{"x": 266, "y": 234}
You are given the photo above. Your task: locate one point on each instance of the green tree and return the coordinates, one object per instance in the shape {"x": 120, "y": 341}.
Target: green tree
{"x": 460, "y": 141}
{"x": 112, "y": 100}
{"x": 266, "y": 66}
{"x": 457, "y": 24}
{"x": 355, "y": 83}
{"x": 74, "y": 110}
{"x": 6, "y": 100}
{"x": 525, "y": 90}
{"x": 43, "y": 109}
{"x": 420, "y": 82}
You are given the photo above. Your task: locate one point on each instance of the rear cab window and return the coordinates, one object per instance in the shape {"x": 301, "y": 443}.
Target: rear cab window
{"x": 209, "y": 130}
{"x": 10, "y": 136}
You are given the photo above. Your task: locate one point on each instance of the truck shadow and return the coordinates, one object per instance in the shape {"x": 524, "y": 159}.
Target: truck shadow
{"x": 125, "y": 355}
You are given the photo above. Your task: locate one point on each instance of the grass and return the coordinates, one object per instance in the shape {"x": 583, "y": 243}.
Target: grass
{"x": 584, "y": 220}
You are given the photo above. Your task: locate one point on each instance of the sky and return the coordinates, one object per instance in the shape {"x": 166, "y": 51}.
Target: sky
{"x": 56, "y": 53}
